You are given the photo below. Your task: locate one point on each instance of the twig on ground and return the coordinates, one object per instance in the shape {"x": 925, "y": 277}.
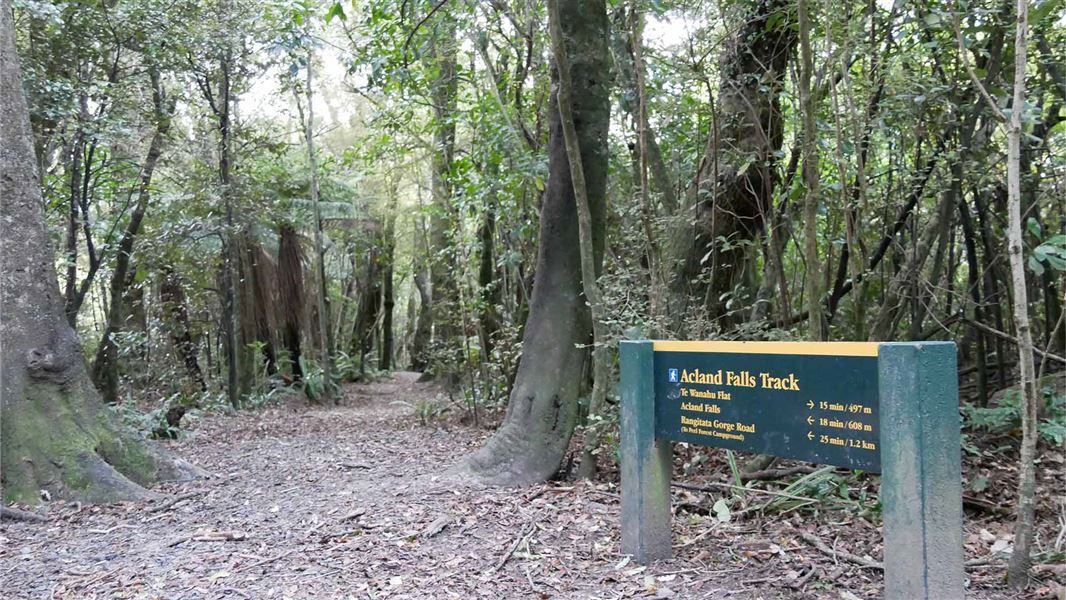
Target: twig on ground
{"x": 802, "y": 581}
{"x": 862, "y": 561}
{"x": 355, "y": 514}
{"x": 510, "y": 552}
{"x": 210, "y": 536}
{"x": 436, "y": 526}
{"x": 110, "y": 529}
{"x": 92, "y": 580}
{"x": 719, "y": 487}
{"x": 266, "y": 561}
{"x": 546, "y": 488}
{"x": 699, "y": 537}
{"x": 773, "y": 474}
{"x": 985, "y": 505}
{"x": 176, "y": 500}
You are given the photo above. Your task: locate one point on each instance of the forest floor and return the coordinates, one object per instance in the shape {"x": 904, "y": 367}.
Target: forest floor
{"x": 350, "y": 501}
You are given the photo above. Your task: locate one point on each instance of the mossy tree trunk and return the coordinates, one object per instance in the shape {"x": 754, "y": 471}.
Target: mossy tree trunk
{"x": 737, "y": 176}
{"x": 55, "y": 433}
{"x": 533, "y": 439}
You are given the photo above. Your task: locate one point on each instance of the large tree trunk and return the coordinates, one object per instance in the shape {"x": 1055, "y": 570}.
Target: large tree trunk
{"x": 369, "y": 306}
{"x": 55, "y": 433}
{"x": 531, "y": 443}
{"x": 737, "y": 176}
{"x": 291, "y": 295}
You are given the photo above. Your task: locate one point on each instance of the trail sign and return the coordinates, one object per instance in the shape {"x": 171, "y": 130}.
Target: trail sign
{"x": 814, "y": 402}
{"x": 887, "y": 407}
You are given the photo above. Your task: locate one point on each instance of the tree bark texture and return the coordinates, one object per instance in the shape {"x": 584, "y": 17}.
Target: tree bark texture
{"x": 291, "y": 295}
{"x": 1018, "y": 570}
{"x": 55, "y": 433}
{"x": 444, "y": 94}
{"x": 734, "y": 187}
{"x": 530, "y": 444}
{"x": 811, "y": 181}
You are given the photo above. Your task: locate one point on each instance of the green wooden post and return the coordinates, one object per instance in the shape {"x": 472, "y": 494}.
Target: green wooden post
{"x": 921, "y": 467}
{"x": 645, "y": 461}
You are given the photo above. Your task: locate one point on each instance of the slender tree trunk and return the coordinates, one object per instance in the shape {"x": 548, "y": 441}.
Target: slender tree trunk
{"x": 974, "y": 286}
{"x": 884, "y": 328}
{"x": 1018, "y": 571}
{"x": 423, "y": 324}
{"x": 229, "y": 245}
{"x": 55, "y": 433}
{"x": 534, "y": 437}
{"x": 489, "y": 318}
{"x": 172, "y": 296}
{"x": 70, "y": 282}
{"x": 105, "y": 364}
{"x": 991, "y": 261}
{"x": 656, "y": 287}
{"x": 388, "y": 298}
{"x": 626, "y": 68}
{"x": 811, "y": 180}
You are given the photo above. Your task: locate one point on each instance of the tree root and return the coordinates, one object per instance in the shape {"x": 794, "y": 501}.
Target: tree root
{"x": 6, "y": 512}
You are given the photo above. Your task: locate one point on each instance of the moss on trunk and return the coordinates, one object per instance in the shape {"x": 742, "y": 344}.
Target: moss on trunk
{"x": 55, "y": 433}
{"x": 55, "y": 440}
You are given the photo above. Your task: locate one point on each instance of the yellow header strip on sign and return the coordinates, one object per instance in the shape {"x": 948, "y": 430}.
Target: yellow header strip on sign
{"x": 802, "y": 348}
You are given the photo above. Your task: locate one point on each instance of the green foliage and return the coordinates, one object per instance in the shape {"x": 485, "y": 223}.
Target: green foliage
{"x": 1005, "y": 416}
{"x": 428, "y": 410}
{"x": 1050, "y": 253}
{"x": 314, "y": 383}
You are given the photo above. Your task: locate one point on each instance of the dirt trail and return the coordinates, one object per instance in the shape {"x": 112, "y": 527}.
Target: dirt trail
{"x": 348, "y": 502}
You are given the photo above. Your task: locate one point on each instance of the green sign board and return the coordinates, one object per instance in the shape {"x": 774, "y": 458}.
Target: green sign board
{"x": 813, "y": 402}
{"x": 885, "y": 407}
